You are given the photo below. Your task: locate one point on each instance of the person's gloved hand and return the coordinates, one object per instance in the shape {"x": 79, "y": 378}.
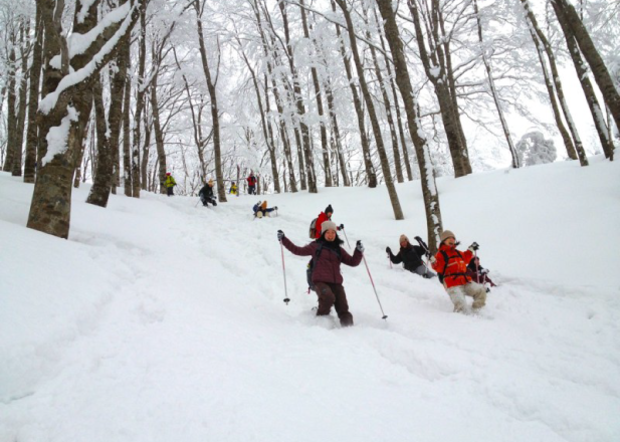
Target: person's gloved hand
{"x": 359, "y": 246}
{"x": 484, "y": 271}
{"x": 341, "y": 226}
{"x": 275, "y": 208}
{"x": 474, "y": 246}
{"x": 388, "y": 250}
{"x": 280, "y": 235}
{"x": 433, "y": 260}
{"x": 418, "y": 239}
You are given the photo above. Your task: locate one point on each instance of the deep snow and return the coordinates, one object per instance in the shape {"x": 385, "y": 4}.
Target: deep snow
{"x": 161, "y": 321}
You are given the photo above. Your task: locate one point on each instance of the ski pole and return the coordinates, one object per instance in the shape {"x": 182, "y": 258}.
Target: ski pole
{"x": 197, "y": 203}
{"x": 374, "y": 288}
{"x": 286, "y": 299}
{"x": 345, "y": 237}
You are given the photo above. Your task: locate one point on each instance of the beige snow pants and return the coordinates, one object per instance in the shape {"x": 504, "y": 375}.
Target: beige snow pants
{"x": 473, "y": 289}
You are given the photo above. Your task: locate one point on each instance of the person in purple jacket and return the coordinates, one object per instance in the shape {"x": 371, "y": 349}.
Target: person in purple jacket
{"x": 326, "y": 277}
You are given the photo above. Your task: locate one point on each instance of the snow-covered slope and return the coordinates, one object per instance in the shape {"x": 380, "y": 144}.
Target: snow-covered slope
{"x": 161, "y": 321}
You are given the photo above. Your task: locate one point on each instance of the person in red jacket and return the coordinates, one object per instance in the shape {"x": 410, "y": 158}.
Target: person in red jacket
{"x": 326, "y": 277}
{"x": 451, "y": 266}
{"x": 251, "y": 184}
{"x": 325, "y": 216}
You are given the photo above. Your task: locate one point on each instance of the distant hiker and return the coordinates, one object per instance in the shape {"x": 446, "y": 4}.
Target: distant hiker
{"x": 260, "y": 209}
{"x": 327, "y": 254}
{"x": 326, "y": 215}
{"x": 169, "y": 184}
{"x": 479, "y": 274}
{"x": 206, "y": 194}
{"x": 451, "y": 266}
{"x": 233, "y": 189}
{"x": 411, "y": 256}
{"x": 251, "y": 184}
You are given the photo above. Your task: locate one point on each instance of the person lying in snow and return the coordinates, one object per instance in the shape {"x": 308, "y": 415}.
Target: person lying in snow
{"x": 260, "y": 209}
{"x": 451, "y": 266}
{"x": 479, "y": 274}
{"x": 411, "y": 256}
{"x": 328, "y": 254}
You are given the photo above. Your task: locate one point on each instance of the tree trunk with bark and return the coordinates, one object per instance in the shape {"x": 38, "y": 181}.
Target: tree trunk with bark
{"x": 369, "y": 167}
{"x": 33, "y": 101}
{"x": 385, "y": 165}
{"x": 429, "y": 188}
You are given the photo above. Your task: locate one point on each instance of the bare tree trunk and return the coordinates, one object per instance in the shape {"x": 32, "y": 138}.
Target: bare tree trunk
{"x": 385, "y": 165}
{"x": 100, "y": 191}
{"x": 144, "y": 161}
{"x": 387, "y": 105}
{"x": 11, "y": 126}
{"x": 371, "y": 174}
{"x": 301, "y": 109}
{"x": 591, "y": 54}
{"x": 50, "y": 210}
{"x": 401, "y": 131}
{"x": 267, "y": 131}
{"x": 555, "y": 76}
{"x": 140, "y": 99}
{"x": 568, "y": 142}
{"x": 221, "y": 191}
{"x": 588, "y": 89}
{"x": 336, "y": 133}
{"x": 23, "y": 92}
{"x": 494, "y": 93}
{"x": 127, "y": 133}
{"x": 33, "y": 101}
{"x": 429, "y": 188}
{"x": 319, "y": 103}
{"x": 159, "y": 136}
{"x": 438, "y": 71}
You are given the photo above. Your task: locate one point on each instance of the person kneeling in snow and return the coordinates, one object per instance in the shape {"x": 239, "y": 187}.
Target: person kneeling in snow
{"x": 451, "y": 265}
{"x": 411, "y": 256}
{"x": 479, "y": 274}
{"x": 326, "y": 277}
{"x": 206, "y": 194}
{"x": 260, "y": 209}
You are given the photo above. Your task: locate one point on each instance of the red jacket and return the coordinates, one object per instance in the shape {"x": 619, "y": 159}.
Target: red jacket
{"x": 327, "y": 267}
{"x": 322, "y": 217}
{"x": 455, "y": 268}
{"x": 251, "y": 181}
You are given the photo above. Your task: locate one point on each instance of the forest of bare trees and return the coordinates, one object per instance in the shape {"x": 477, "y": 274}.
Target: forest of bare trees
{"x": 305, "y": 94}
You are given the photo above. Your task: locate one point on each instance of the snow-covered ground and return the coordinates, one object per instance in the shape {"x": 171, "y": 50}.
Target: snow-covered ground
{"x": 161, "y": 321}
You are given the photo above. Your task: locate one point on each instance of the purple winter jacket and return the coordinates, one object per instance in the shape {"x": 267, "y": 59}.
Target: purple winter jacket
{"x": 327, "y": 267}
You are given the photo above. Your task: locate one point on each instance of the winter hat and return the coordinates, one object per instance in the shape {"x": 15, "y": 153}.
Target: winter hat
{"x": 168, "y": 173}
{"x": 445, "y": 235}
{"x": 329, "y": 209}
{"x": 328, "y": 225}
{"x": 210, "y": 182}
{"x": 402, "y": 238}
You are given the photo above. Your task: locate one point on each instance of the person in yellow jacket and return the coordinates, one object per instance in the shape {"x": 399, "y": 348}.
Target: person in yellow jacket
{"x": 233, "y": 188}
{"x": 169, "y": 184}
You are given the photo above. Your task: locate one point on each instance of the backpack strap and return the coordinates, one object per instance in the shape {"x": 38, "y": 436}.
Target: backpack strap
{"x": 446, "y": 259}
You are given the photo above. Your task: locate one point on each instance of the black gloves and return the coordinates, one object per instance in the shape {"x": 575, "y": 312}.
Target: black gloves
{"x": 280, "y": 235}
{"x": 388, "y": 250}
{"x": 474, "y": 246}
{"x": 359, "y": 246}
{"x": 341, "y": 226}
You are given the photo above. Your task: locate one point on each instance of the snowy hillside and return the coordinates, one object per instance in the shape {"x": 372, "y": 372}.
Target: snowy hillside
{"x": 162, "y": 321}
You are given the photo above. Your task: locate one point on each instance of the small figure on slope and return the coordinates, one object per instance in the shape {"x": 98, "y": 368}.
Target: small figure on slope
{"x": 260, "y": 209}
{"x": 451, "y": 265}
{"x": 233, "y": 189}
{"x": 251, "y": 184}
{"x": 316, "y": 224}
{"x": 206, "y": 194}
{"x": 169, "y": 184}
{"x": 411, "y": 256}
{"x": 327, "y": 255}
{"x": 479, "y": 274}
